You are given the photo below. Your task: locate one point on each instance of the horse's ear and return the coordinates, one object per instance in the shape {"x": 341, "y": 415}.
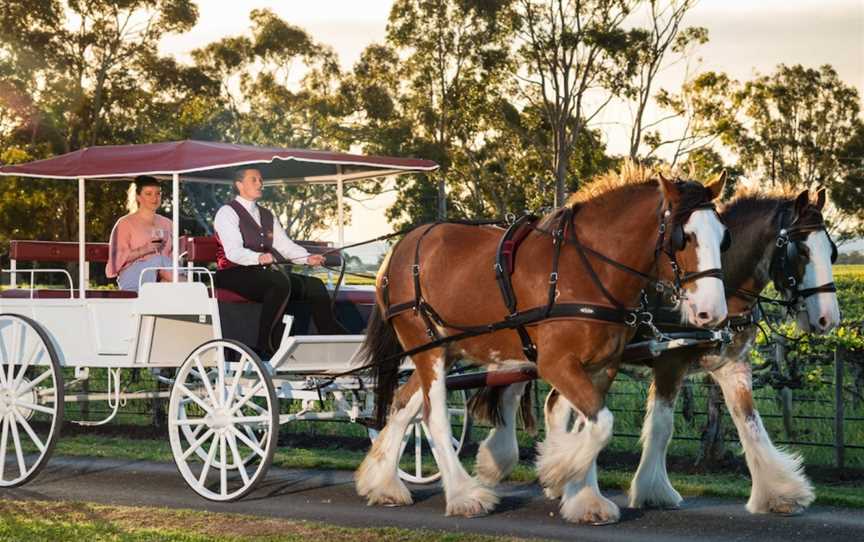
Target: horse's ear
{"x": 801, "y": 203}
{"x": 670, "y": 190}
{"x": 820, "y": 199}
{"x": 716, "y": 185}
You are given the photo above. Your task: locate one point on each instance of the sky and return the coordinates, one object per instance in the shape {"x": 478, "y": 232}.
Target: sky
{"x": 746, "y": 37}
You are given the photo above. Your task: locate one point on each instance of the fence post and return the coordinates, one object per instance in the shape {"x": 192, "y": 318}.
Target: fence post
{"x": 838, "y": 407}
{"x": 785, "y": 393}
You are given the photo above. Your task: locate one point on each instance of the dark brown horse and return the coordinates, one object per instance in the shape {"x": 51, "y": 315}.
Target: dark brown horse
{"x": 449, "y": 269}
{"x": 779, "y": 239}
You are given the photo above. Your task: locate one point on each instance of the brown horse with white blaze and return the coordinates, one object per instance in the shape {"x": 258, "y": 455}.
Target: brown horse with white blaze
{"x": 777, "y": 238}
{"x": 447, "y": 269}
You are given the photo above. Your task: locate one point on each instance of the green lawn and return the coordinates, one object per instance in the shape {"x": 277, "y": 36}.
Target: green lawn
{"x": 37, "y": 521}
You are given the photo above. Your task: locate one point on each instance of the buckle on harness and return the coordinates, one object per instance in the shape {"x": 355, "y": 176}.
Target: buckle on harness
{"x": 631, "y": 320}
{"x": 415, "y": 269}
{"x": 553, "y": 277}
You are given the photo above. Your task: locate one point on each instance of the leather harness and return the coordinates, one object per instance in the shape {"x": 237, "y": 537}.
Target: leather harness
{"x": 519, "y": 319}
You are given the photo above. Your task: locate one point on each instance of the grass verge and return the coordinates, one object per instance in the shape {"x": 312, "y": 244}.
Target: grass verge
{"x": 37, "y": 521}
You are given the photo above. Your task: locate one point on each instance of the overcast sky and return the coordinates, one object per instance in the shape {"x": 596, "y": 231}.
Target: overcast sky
{"x": 746, "y": 37}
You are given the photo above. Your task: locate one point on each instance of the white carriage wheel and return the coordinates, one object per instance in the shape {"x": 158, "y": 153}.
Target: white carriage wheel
{"x": 31, "y": 399}
{"x": 417, "y": 442}
{"x": 224, "y": 389}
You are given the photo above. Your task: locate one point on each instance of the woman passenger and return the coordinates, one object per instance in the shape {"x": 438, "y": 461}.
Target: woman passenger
{"x": 140, "y": 239}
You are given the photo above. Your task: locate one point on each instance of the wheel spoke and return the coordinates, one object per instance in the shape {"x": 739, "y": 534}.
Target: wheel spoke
{"x": 14, "y": 343}
{"x": 418, "y": 451}
{"x": 35, "y": 382}
{"x": 243, "y": 361}
{"x": 429, "y": 440}
{"x": 190, "y": 421}
{"x": 31, "y": 406}
{"x": 232, "y": 442}
{"x": 206, "y": 379}
{"x": 245, "y": 399}
{"x": 29, "y": 431}
{"x": 200, "y": 402}
{"x": 206, "y": 468}
{"x": 4, "y": 438}
{"x": 197, "y": 444}
{"x": 37, "y": 348}
{"x": 255, "y": 448}
{"x": 19, "y": 452}
{"x": 223, "y": 467}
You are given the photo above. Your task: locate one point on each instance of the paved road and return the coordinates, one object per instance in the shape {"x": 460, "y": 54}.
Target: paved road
{"x": 328, "y": 496}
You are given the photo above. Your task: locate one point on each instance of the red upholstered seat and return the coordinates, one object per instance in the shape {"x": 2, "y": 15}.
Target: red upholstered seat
{"x": 202, "y": 250}
{"x": 22, "y": 293}
{"x": 228, "y": 296}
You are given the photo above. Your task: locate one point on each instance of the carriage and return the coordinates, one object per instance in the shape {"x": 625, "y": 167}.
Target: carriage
{"x": 224, "y": 401}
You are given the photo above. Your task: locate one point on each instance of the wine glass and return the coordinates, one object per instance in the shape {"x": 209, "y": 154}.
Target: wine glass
{"x": 157, "y": 237}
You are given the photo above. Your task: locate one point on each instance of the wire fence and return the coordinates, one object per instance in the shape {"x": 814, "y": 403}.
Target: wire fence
{"x": 824, "y": 422}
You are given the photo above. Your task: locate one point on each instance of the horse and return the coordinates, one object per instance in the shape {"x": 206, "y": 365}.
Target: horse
{"x": 779, "y": 239}
{"x": 439, "y": 281}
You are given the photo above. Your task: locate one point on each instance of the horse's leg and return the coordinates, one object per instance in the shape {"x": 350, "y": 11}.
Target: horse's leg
{"x": 465, "y": 495}
{"x": 556, "y": 413}
{"x": 569, "y": 458}
{"x": 651, "y": 485}
{"x": 779, "y": 483}
{"x": 377, "y": 479}
{"x": 499, "y": 452}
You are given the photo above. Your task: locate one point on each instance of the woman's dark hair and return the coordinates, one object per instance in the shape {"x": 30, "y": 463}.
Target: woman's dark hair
{"x": 145, "y": 180}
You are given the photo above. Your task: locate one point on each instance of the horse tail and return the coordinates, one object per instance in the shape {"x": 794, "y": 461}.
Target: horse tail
{"x": 485, "y": 406}
{"x": 381, "y": 351}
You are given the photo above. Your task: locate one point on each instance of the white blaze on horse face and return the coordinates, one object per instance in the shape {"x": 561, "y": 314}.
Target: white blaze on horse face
{"x": 706, "y": 306}
{"x": 823, "y": 311}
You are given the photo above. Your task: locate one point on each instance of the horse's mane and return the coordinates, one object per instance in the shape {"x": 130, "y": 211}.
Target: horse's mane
{"x": 631, "y": 174}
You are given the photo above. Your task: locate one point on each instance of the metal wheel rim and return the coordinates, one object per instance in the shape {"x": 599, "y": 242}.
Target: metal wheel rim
{"x": 418, "y": 429}
{"x": 227, "y": 395}
{"x": 31, "y": 399}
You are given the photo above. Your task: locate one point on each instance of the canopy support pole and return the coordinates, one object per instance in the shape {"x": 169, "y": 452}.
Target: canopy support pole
{"x": 82, "y": 240}
{"x": 175, "y": 226}
{"x": 340, "y": 186}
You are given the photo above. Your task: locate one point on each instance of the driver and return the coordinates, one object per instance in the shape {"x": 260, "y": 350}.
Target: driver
{"x": 250, "y": 239}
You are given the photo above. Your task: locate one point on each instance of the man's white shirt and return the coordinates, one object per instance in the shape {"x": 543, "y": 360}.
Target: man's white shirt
{"x": 227, "y": 225}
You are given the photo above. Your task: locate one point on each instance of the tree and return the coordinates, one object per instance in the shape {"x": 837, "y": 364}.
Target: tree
{"x": 651, "y": 48}
{"x": 569, "y": 49}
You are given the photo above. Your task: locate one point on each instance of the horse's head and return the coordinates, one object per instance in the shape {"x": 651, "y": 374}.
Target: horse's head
{"x": 801, "y": 265}
{"x": 692, "y": 242}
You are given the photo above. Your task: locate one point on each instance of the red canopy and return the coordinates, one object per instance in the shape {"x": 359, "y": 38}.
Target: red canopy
{"x": 207, "y": 161}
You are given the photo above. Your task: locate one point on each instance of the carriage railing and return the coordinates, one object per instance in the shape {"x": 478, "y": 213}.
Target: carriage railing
{"x": 190, "y": 270}
{"x": 32, "y": 272}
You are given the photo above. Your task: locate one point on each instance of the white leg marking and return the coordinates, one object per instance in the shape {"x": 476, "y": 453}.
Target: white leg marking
{"x": 569, "y": 458}
{"x": 651, "y": 485}
{"x": 377, "y": 478}
{"x": 465, "y": 496}
{"x": 499, "y": 452}
{"x": 779, "y": 482}
{"x": 557, "y": 416}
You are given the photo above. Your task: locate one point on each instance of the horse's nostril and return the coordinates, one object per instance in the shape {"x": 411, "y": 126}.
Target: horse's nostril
{"x": 823, "y": 321}
{"x": 703, "y": 316}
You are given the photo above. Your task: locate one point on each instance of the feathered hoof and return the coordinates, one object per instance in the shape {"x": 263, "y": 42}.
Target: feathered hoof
{"x": 553, "y": 493}
{"x": 490, "y": 469}
{"x": 664, "y": 497}
{"x": 396, "y": 494}
{"x": 474, "y": 502}
{"x": 590, "y": 510}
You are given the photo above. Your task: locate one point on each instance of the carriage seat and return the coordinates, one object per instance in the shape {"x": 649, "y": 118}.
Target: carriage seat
{"x": 202, "y": 251}
{"x": 63, "y": 252}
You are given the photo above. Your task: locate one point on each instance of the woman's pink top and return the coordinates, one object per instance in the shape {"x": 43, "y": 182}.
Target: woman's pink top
{"x": 130, "y": 233}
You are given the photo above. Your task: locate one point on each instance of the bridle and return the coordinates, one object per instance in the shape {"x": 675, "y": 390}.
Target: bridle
{"x": 677, "y": 243}
{"x": 786, "y": 255}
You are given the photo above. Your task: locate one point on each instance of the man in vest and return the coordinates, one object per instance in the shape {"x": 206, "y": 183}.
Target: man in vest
{"x": 250, "y": 239}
